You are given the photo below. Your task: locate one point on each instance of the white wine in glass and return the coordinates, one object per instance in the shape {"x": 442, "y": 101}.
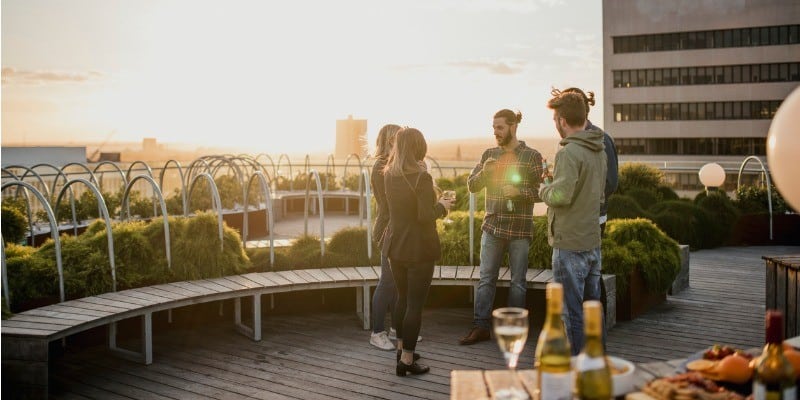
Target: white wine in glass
{"x": 511, "y": 331}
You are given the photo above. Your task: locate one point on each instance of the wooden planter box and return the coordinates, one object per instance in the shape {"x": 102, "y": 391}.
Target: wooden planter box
{"x": 636, "y": 299}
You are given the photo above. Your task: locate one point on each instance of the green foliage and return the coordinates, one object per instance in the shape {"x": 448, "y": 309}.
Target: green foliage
{"x": 644, "y": 197}
{"x": 724, "y": 215}
{"x": 665, "y": 193}
{"x": 454, "y": 238}
{"x": 685, "y": 222}
{"x": 14, "y": 224}
{"x": 197, "y": 254}
{"x": 638, "y": 175}
{"x": 540, "y": 254}
{"x": 754, "y": 200}
{"x": 645, "y": 247}
{"x": 622, "y": 206}
{"x": 352, "y": 242}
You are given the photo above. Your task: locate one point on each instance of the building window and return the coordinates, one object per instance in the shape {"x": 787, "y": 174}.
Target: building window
{"x": 721, "y": 74}
{"x": 693, "y": 146}
{"x": 721, "y": 110}
{"x": 742, "y": 37}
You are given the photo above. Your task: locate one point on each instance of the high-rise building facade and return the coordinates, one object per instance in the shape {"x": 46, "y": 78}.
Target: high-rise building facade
{"x": 688, "y": 82}
{"x": 351, "y": 137}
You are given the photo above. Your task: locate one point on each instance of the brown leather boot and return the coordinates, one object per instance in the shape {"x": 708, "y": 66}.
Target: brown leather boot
{"x": 477, "y": 334}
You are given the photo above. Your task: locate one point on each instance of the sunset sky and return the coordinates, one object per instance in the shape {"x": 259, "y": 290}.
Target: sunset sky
{"x": 273, "y": 76}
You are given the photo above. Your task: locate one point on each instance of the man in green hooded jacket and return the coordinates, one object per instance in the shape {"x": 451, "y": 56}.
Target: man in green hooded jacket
{"x": 573, "y": 201}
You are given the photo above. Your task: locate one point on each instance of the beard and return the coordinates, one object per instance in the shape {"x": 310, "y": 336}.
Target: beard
{"x": 503, "y": 140}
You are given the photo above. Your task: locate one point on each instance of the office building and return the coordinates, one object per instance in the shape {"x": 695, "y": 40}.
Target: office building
{"x": 689, "y": 82}
{"x": 351, "y": 137}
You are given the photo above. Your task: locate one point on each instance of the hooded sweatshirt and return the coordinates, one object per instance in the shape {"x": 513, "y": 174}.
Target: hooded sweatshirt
{"x": 576, "y": 193}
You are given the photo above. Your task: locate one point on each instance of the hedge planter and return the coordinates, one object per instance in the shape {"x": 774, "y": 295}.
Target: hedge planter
{"x": 637, "y": 298}
{"x": 753, "y": 230}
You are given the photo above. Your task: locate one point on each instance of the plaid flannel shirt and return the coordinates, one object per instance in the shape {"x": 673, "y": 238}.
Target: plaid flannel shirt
{"x": 522, "y": 168}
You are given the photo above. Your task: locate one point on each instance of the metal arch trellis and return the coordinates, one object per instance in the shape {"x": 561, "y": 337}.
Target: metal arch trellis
{"x": 321, "y": 209}
{"x": 289, "y": 162}
{"x": 433, "y": 160}
{"x": 53, "y": 230}
{"x": 124, "y": 215}
{"x": 190, "y": 171}
{"x": 330, "y": 169}
{"x": 113, "y": 164}
{"x": 101, "y": 203}
{"x": 346, "y": 163}
{"x": 216, "y": 164}
{"x": 769, "y": 185}
{"x": 135, "y": 163}
{"x": 59, "y": 173}
{"x": 367, "y": 196}
{"x": 215, "y": 201}
{"x": 183, "y": 183}
{"x": 269, "y": 214}
{"x": 92, "y": 177}
{"x": 35, "y": 174}
{"x": 274, "y": 171}
{"x": 28, "y": 210}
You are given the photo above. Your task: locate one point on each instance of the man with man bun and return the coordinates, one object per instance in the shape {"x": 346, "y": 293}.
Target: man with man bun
{"x": 511, "y": 173}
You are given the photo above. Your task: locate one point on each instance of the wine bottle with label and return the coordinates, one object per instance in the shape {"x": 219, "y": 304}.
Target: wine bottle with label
{"x": 774, "y": 376}
{"x": 592, "y": 368}
{"x": 552, "y": 350}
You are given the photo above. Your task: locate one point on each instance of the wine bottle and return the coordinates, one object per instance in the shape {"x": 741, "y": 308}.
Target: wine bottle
{"x": 592, "y": 368}
{"x": 552, "y": 350}
{"x": 774, "y": 376}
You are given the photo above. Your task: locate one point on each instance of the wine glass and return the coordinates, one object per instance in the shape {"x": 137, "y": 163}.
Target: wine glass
{"x": 511, "y": 331}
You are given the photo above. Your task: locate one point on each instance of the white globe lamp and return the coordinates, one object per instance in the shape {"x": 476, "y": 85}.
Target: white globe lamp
{"x": 783, "y": 149}
{"x": 712, "y": 175}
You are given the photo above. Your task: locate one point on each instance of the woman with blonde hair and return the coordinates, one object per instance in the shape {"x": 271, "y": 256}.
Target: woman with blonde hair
{"x": 385, "y": 293}
{"x": 411, "y": 242}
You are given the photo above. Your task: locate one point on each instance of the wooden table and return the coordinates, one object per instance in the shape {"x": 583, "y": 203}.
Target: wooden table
{"x": 481, "y": 384}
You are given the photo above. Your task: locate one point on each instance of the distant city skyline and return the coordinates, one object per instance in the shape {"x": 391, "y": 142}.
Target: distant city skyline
{"x": 275, "y": 77}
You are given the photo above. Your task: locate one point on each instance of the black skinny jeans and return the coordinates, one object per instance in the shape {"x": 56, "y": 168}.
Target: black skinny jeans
{"x": 413, "y": 279}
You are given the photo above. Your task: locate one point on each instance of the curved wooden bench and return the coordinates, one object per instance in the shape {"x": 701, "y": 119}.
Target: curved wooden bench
{"x": 26, "y": 336}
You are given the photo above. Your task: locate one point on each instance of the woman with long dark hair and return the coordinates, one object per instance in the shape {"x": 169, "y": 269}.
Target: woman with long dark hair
{"x": 411, "y": 242}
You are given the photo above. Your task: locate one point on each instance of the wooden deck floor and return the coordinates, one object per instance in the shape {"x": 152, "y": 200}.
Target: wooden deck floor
{"x": 327, "y": 355}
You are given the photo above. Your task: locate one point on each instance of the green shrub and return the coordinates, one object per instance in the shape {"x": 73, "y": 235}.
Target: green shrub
{"x": 638, "y": 175}
{"x": 352, "y": 241}
{"x": 665, "y": 193}
{"x": 303, "y": 253}
{"x": 645, "y": 247}
{"x": 196, "y": 253}
{"x": 14, "y": 224}
{"x": 622, "y": 206}
{"x": 644, "y": 197}
{"x": 723, "y": 213}
{"x": 753, "y": 200}
{"x": 454, "y": 238}
{"x": 540, "y": 254}
{"x": 684, "y": 222}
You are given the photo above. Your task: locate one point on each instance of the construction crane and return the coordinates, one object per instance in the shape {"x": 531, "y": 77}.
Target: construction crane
{"x": 95, "y": 157}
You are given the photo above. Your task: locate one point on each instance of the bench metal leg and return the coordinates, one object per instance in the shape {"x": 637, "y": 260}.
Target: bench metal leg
{"x": 254, "y": 332}
{"x": 363, "y": 305}
{"x": 145, "y": 355}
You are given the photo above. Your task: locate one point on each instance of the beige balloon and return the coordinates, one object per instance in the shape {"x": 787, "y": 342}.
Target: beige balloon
{"x": 783, "y": 149}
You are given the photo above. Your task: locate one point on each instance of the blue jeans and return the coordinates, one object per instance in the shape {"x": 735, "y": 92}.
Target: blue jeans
{"x": 579, "y": 273}
{"x": 493, "y": 249}
{"x": 384, "y": 297}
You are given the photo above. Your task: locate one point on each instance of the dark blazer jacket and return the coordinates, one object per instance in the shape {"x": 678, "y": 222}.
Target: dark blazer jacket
{"x": 413, "y": 210}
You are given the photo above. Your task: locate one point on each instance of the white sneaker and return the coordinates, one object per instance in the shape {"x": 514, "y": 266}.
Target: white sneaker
{"x": 381, "y": 341}
{"x": 393, "y": 335}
